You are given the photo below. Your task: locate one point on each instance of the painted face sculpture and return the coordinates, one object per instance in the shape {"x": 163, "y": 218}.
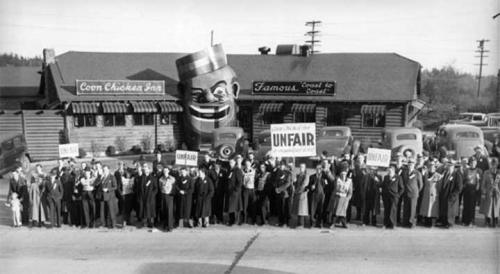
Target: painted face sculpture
{"x": 208, "y": 87}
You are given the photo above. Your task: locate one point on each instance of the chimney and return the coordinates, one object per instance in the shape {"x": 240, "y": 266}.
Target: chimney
{"x": 305, "y": 50}
{"x": 49, "y": 56}
{"x": 264, "y": 50}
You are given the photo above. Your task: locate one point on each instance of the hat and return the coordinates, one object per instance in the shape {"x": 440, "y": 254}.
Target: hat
{"x": 478, "y": 147}
{"x": 201, "y": 62}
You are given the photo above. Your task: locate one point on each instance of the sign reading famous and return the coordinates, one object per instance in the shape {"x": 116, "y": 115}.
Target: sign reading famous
{"x": 293, "y": 88}
{"x": 119, "y": 87}
{"x": 293, "y": 139}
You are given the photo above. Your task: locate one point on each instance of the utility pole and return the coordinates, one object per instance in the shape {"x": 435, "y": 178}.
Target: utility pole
{"x": 481, "y": 52}
{"x": 313, "y": 33}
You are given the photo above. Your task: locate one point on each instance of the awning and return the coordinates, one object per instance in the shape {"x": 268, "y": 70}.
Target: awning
{"x": 418, "y": 104}
{"x": 84, "y": 107}
{"x": 373, "y": 109}
{"x": 169, "y": 107}
{"x": 303, "y": 107}
{"x": 271, "y": 107}
{"x": 140, "y": 107}
{"x": 114, "y": 107}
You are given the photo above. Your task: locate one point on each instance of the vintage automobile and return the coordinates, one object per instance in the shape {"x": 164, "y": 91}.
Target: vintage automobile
{"x": 470, "y": 118}
{"x": 336, "y": 140}
{"x": 457, "y": 141}
{"x": 13, "y": 152}
{"x": 404, "y": 140}
{"x": 262, "y": 145}
{"x": 227, "y": 142}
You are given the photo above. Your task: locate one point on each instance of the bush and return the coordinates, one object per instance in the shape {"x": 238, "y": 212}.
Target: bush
{"x": 121, "y": 143}
{"x": 136, "y": 149}
{"x": 147, "y": 142}
{"x": 82, "y": 153}
{"x": 95, "y": 147}
{"x": 110, "y": 151}
{"x": 161, "y": 148}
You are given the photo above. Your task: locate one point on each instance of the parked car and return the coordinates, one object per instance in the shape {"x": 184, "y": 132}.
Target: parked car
{"x": 336, "y": 140}
{"x": 470, "y": 118}
{"x": 404, "y": 140}
{"x": 227, "y": 142}
{"x": 457, "y": 141}
{"x": 262, "y": 144}
{"x": 13, "y": 152}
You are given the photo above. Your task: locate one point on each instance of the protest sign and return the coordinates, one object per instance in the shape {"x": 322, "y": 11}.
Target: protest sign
{"x": 378, "y": 157}
{"x": 293, "y": 139}
{"x": 186, "y": 157}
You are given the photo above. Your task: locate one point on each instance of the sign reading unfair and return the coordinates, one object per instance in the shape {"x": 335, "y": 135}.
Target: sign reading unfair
{"x": 293, "y": 140}
{"x": 378, "y": 157}
{"x": 294, "y": 88}
{"x": 119, "y": 87}
{"x": 68, "y": 150}
{"x": 186, "y": 158}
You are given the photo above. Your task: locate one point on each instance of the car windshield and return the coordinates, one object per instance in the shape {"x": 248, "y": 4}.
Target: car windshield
{"x": 332, "y": 133}
{"x": 465, "y": 117}
{"x": 477, "y": 118}
{"x": 227, "y": 136}
{"x": 406, "y": 136}
{"x": 467, "y": 134}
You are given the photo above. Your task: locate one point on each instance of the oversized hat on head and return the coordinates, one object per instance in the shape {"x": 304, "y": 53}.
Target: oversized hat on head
{"x": 201, "y": 62}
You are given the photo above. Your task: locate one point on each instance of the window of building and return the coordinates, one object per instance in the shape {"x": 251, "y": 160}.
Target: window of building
{"x": 144, "y": 119}
{"x": 336, "y": 116}
{"x": 168, "y": 119}
{"x": 304, "y": 117}
{"x": 84, "y": 120}
{"x": 373, "y": 120}
{"x": 272, "y": 118}
{"x": 114, "y": 120}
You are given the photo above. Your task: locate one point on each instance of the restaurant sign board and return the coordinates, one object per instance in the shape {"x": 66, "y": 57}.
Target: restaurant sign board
{"x": 313, "y": 88}
{"x": 119, "y": 87}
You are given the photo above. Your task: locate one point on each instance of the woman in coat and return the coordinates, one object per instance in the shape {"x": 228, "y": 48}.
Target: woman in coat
{"x": 429, "y": 207}
{"x": 185, "y": 187}
{"x": 36, "y": 189}
{"x": 204, "y": 191}
{"x": 490, "y": 193}
{"x": 471, "y": 187}
{"x": 342, "y": 195}
{"x": 300, "y": 210}
{"x": 168, "y": 188}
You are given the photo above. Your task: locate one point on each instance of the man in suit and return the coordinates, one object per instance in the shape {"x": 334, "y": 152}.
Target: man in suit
{"x": 316, "y": 196}
{"x": 449, "y": 191}
{"x": 217, "y": 175}
{"x": 413, "y": 183}
{"x": 392, "y": 189}
{"x": 54, "y": 194}
{"x": 146, "y": 195}
{"x": 108, "y": 202}
{"x": 283, "y": 180}
{"x": 233, "y": 195}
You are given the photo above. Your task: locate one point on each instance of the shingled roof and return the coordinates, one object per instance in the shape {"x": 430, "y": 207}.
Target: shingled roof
{"x": 19, "y": 85}
{"x": 358, "y": 76}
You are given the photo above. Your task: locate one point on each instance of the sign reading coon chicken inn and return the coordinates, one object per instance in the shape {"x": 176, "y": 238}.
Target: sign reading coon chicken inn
{"x": 294, "y": 88}
{"x": 119, "y": 87}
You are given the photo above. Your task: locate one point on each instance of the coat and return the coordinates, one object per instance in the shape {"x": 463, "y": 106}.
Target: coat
{"x": 299, "y": 203}
{"x": 53, "y": 189}
{"x": 490, "y": 194}
{"x": 358, "y": 177}
{"x": 449, "y": 191}
{"x": 372, "y": 198}
{"x": 36, "y": 190}
{"x": 317, "y": 184}
{"x": 233, "y": 192}
{"x": 146, "y": 188}
{"x": 413, "y": 183}
{"x": 203, "y": 193}
{"x": 392, "y": 187}
{"x": 343, "y": 193}
{"x": 108, "y": 188}
{"x": 430, "y": 195}
{"x": 185, "y": 200}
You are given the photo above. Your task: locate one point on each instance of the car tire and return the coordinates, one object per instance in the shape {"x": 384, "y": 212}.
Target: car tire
{"x": 405, "y": 149}
{"x": 226, "y": 151}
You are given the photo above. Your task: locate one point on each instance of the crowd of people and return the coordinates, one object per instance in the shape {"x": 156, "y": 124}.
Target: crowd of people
{"x": 419, "y": 190}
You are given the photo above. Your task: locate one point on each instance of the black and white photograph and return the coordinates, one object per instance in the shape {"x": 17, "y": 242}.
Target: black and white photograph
{"x": 252, "y": 136}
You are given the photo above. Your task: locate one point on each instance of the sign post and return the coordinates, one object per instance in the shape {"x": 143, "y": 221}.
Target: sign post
{"x": 378, "y": 157}
{"x": 68, "y": 150}
{"x": 186, "y": 158}
{"x": 293, "y": 139}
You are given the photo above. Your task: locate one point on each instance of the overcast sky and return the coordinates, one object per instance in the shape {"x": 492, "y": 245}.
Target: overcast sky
{"x": 432, "y": 32}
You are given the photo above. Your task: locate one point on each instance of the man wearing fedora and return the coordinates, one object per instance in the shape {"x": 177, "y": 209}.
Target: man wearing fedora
{"x": 449, "y": 190}
{"x": 482, "y": 160}
{"x": 412, "y": 181}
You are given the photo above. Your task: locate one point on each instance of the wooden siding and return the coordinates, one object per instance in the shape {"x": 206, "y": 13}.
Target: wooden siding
{"x": 10, "y": 124}
{"x": 42, "y": 130}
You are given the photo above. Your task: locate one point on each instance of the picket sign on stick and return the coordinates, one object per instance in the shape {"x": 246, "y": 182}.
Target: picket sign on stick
{"x": 186, "y": 158}
{"x": 378, "y": 157}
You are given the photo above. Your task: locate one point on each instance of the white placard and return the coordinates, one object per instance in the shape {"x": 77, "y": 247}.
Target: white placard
{"x": 293, "y": 139}
{"x": 68, "y": 150}
{"x": 378, "y": 157}
{"x": 186, "y": 158}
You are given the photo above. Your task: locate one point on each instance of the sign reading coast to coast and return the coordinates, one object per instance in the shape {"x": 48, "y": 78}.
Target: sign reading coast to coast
{"x": 68, "y": 150}
{"x": 293, "y": 140}
{"x": 119, "y": 87}
{"x": 294, "y": 88}
{"x": 378, "y": 157}
{"x": 186, "y": 157}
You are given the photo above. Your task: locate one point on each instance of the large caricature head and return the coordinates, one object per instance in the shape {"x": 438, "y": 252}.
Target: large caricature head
{"x": 209, "y": 89}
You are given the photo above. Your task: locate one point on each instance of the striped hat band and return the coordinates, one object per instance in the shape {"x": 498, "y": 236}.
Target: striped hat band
{"x": 201, "y": 62}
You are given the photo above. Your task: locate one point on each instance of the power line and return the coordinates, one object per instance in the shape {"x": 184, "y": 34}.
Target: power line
{"x": 313, "y": 33}
{"x": 481, "y": 52}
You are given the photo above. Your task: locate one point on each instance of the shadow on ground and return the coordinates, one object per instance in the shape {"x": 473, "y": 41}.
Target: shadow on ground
{"x": 199, "y": 268}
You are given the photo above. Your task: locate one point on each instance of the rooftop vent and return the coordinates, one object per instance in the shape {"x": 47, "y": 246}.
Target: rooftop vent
{"x": 264, "y": 50}
{"x": 287, "y": 50}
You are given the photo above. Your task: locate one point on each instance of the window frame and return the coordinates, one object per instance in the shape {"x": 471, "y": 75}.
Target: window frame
{"x": 303, "y": 117}
{"x": 114, "y": 119}
{"x": 84, "y": 118}
{"x": 373, "y": 123}
{"x": 171, "y": 118}
{"x": 143, "y": 119}
{"x": 269, "y": 118}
